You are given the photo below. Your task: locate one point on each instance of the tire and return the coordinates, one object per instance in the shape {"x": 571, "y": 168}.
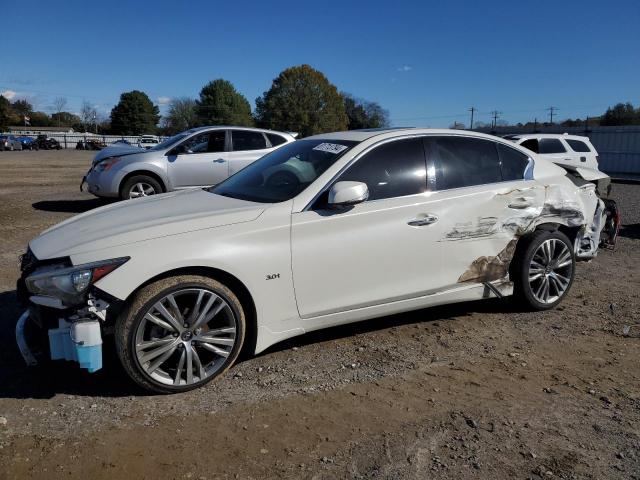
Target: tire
{"x": 140, "y": 184}
{"x": 529, "y": 270}
{"x": 132, "y": 330}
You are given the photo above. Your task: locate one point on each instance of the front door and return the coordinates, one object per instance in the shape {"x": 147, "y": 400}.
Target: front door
{"x": 382, "y": 250}
{"x": 201, "y": 160}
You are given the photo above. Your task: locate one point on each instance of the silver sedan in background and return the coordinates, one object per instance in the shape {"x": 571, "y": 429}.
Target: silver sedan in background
{"x": 199, "y": 157}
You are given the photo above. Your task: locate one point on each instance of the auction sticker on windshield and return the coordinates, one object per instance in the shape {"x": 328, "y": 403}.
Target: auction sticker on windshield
{"x": 330, "y": 147}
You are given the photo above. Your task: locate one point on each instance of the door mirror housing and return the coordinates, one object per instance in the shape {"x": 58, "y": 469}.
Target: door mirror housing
{"x": 346, "y": 194}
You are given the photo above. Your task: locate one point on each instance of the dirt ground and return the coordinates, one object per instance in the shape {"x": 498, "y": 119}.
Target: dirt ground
{"x": 474, "y": 390}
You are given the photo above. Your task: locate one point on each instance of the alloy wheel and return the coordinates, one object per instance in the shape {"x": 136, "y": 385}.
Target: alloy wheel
{"x": 550, "y": 271}
{"x": 141, "y": 189}
{"x": 185, "y": 337}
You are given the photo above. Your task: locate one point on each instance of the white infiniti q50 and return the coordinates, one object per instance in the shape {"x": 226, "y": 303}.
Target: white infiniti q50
{"x": 331, "y": 229}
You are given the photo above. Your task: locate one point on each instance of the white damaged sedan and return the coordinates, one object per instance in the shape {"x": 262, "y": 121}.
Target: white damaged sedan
{"x": 331, "y": 229}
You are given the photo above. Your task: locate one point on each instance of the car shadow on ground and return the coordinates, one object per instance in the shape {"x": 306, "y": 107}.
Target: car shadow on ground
{"x": 51, "y": 378}
{"x": 630, "y": 231}
{"x": 425, "y": 315}
{"x": 70, "y": 206}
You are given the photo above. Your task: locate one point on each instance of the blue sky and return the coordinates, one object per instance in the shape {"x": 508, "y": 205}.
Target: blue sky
{"x": 426, "y": 62}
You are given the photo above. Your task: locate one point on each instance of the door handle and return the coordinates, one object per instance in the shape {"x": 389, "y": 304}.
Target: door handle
{"x": 424, "y": 220}
{"x": 219, "y": 160}
{"x": 521, "y": 202}
{"x": 583, "y": 159}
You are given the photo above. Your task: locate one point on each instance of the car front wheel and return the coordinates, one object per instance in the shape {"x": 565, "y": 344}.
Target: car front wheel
{"x": 180, "y": 333}
{"x": 544, "y": 270}
{"x": 140, "y": 186}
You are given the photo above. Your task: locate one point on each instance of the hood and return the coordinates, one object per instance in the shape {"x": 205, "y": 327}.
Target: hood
{"x": 117, "y": 150}
{"x": 142, "y": 219}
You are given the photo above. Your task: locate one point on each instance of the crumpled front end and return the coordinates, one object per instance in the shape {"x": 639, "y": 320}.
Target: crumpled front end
{"x": 65, "y": 316}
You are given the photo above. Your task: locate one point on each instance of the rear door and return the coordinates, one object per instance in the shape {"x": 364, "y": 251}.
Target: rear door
{"x": 246, "y": 146}
{"x": 201, "y": 160}
{"x": 483, "y": 193}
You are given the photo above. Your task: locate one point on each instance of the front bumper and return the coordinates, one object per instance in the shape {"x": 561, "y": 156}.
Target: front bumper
{"x": 100, "y": 184}
{"x": 79, "y": 341}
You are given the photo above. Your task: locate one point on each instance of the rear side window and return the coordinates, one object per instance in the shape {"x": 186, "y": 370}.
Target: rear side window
{"x": 513, "y": 163}
{"x": 578, "y": 146}
{"x": 394, "y": 169}
{"x": 551, "y": 145}
{"x": 531, "y": 144}
{"x": 247, "y": 140}
{"x": 463, "y": 162}
{"x": 275, "y": 140}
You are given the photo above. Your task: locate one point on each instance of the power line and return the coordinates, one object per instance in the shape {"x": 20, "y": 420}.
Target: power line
{"x": 551, "y": 110}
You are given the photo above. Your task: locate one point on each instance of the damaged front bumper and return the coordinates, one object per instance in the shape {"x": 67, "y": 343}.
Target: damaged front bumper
{"x": 44, "y": 333}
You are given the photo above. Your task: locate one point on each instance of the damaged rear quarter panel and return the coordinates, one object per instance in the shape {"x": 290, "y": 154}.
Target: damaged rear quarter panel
{"x": 498, "y": 218}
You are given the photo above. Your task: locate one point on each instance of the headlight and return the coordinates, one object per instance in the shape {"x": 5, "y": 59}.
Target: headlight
{"x": 106, "y": 165}
{"x": 70, "y": 284}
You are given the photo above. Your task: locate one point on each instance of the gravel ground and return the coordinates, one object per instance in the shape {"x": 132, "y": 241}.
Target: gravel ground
{"x": 474, "y": 390}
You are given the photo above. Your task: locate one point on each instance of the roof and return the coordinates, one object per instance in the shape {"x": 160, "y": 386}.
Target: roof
{"x": 362, "y": 135}
{"x": 236, "y": 127}
{"x": 525, "y": 136}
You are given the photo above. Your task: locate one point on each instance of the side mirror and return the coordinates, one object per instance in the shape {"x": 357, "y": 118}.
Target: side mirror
{"x": 346, "y": 194}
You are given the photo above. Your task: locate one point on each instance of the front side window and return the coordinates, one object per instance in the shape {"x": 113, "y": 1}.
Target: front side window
{"x": 578, "y": 146}
{"x": 285, "y": 172}
{"x": 395, "y": 169}
{"x": 463, "y": 161}
{"x": 206, "y": 142}
{"x": 246, "y": 140}
{"x": 551, "y": 145}
{"x": 513, "y": 163}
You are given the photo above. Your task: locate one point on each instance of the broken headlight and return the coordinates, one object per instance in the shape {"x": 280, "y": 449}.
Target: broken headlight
{"x": 71, "y": 283}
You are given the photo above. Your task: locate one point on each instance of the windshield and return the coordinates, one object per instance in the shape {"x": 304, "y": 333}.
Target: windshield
{"x": 284, "y": 173}
{"x": 169, "y": 141}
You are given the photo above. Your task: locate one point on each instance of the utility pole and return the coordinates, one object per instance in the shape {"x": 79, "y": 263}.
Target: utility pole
{"x": 551, "y": 110}
{"x": 495, "y": 114}
{"x": 472, "y": 109}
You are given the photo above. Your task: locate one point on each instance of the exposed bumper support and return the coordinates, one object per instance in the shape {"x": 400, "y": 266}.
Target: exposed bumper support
{"x": 25, "y": 351}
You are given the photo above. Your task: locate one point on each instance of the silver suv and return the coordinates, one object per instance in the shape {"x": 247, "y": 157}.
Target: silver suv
{"x": 199, "y": 157}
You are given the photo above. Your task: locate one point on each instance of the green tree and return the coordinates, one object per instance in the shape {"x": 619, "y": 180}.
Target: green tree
{"x": 301, "y": 99}
{"x": 621, "y": 114}
{"x": 135, "y": 114}
{"x": 364, "y": 114}
{"x": 22, "y": 108}
{"x": 7, "y": 115}
{"x": 221, "y": 104}
{"x": 39, "y": 119}
{"x": 65, "y": 119}
{"x": 182, "y": 115}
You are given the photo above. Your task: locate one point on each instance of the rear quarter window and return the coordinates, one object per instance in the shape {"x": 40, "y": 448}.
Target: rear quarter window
{"x": 275, "y": 140}
{"x": 578, "y": 146}
{"x": 513, "y": 163}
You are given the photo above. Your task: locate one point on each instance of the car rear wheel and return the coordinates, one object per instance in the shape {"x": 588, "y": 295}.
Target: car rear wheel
{"x": 544, "y": 270}
{"x": 180, "y": 333}
{"x": 140, "y": 186}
